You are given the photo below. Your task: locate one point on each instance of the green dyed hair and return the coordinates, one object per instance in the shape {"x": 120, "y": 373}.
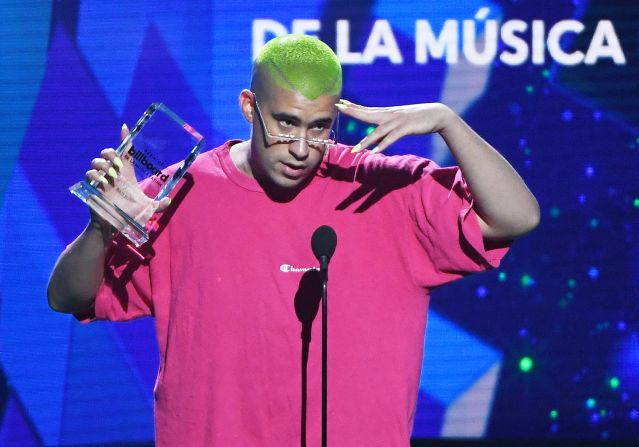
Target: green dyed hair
{"x": 300, "y": 63}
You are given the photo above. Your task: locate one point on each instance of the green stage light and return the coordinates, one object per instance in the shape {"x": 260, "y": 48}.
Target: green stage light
{"x": 614, "y": 383}
{"x": 526, "y": 364}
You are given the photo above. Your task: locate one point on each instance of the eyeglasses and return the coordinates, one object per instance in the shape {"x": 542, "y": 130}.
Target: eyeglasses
{"x": 318, "y": 143}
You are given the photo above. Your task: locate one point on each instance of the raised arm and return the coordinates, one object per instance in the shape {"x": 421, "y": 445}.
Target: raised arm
{"x": 505, "y": 206}
{"x": 79, "y": 270}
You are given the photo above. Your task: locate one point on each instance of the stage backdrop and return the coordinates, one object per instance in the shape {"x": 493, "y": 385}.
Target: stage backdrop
{"x": 546, "y": 346}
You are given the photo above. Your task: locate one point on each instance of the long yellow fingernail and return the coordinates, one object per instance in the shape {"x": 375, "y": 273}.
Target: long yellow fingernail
{"x": 124, "y": 126}
{"x": 357, "y": 148}
{"x": 102, "y": 180}
{"x": 376, "y": 150}
{"x": 117, "y": 162}
{"x": 112, "y": 173}
{"x": 340, "y": 107}
{"x": 344, "y": 101}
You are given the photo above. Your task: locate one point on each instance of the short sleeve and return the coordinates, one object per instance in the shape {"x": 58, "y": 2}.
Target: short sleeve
{"x": 446, "y": 228}
{"x": 125, "y": 292}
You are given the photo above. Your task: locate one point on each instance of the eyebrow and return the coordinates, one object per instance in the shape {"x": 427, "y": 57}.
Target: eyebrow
{"x": 283, "y": 116}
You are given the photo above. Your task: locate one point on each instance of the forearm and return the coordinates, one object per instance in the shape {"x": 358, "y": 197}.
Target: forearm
{"x": 505, "y": 206}
{"x": 79, "y": 270}
{"x": 503, "y": 202}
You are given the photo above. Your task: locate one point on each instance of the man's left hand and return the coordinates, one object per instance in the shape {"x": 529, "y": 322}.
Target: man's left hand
{"x": 393, "y": 123}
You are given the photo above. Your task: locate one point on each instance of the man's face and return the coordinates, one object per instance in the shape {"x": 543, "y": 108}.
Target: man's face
{"x": 287, "y": 165}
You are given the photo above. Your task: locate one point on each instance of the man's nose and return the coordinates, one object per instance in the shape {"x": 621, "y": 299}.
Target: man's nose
{"x": 299, "y": 149}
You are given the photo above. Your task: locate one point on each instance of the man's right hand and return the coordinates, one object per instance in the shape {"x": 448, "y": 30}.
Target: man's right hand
{"x": 105, "y": 171}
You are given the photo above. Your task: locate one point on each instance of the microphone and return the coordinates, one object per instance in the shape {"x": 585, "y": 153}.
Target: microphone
{"x": 323, "y": 243}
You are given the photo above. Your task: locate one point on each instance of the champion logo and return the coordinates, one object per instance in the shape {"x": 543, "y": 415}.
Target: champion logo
{"x": 288, "y": 268}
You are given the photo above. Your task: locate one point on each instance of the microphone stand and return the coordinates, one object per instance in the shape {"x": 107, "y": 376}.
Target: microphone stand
{"x": 324, "y": 273}
{"x": 323, "y": 243}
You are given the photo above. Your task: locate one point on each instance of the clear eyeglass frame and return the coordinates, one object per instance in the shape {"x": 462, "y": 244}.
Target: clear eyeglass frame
{"x": 317, "y": 143}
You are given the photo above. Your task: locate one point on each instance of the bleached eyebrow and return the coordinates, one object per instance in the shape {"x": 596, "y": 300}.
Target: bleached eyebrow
{"x": 283, "y": 116}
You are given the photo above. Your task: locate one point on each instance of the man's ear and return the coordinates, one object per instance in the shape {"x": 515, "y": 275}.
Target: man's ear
{"x": 246, "y": 105}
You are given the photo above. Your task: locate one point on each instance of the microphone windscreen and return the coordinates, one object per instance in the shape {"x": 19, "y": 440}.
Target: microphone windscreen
{"x": 323, "y": 242}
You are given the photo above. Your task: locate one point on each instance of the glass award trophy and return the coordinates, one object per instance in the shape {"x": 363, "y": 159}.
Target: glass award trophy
{"x": 159, "y": 139}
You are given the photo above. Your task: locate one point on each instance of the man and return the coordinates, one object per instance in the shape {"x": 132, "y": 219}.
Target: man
{"x": 231, "y": 280}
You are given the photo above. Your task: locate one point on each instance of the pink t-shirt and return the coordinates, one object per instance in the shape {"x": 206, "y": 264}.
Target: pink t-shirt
{"x": 230, "y": 282}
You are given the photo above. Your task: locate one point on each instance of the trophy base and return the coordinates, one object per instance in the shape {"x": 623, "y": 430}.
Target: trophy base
{"x": 111, "y": 213}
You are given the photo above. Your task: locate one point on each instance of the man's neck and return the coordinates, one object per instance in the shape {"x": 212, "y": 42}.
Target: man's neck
{"x": 241, "y": 158}
{"x": 240, "y": 154}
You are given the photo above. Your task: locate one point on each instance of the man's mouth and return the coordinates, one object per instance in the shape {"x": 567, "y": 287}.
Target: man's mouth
{"x": 293, "y": 170}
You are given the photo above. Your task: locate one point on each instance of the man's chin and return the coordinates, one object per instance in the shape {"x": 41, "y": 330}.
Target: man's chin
{"x": 283, "y": 188}
{"x": 291, "y": 183}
